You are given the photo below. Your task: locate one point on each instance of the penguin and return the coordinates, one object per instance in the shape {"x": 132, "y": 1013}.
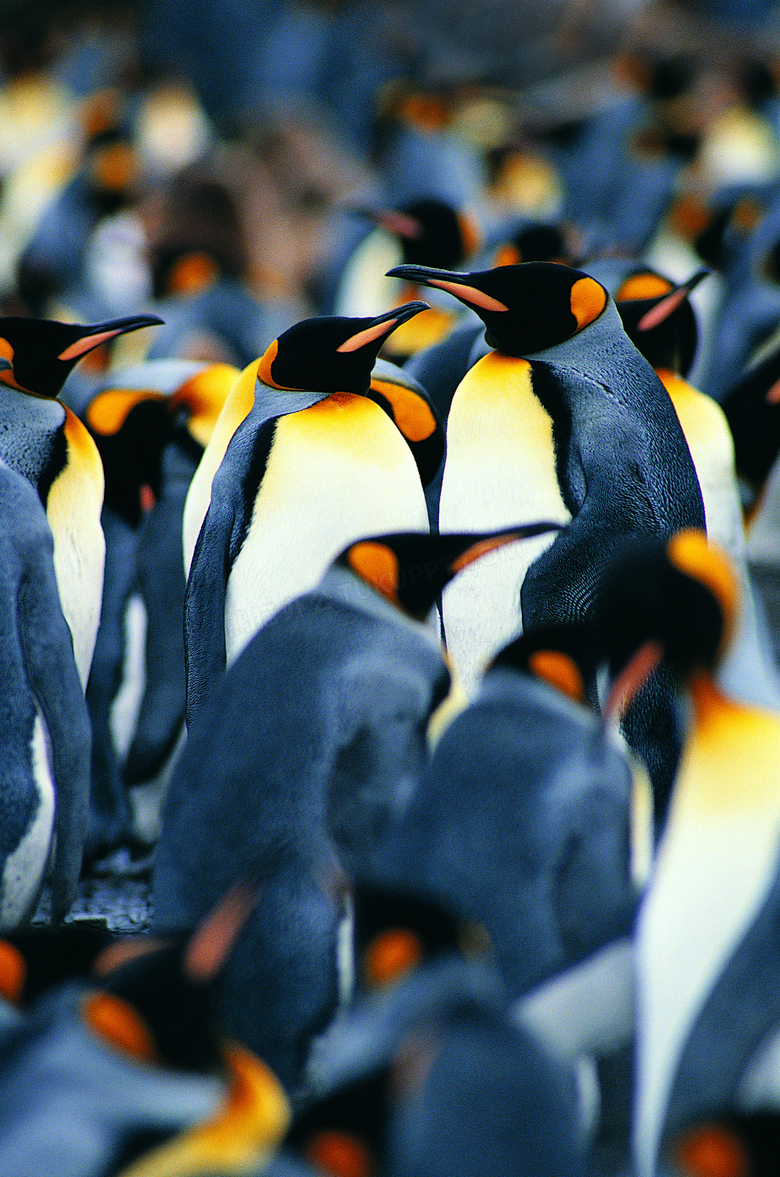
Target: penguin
{"x": 151, "y": 424}
{"x": 433, "y": 1076}
{"x": 309, "y": 746}
{"x": 44, "y": 440}
{"x": 660, "y": 321}
{"x": 706, "y": 945}
{"x": 45, "y": 734}
{"x": 563, "y": 418}
{"x": 311, "y": 463}
{"x": 427, "y": 231}
{"x": 126, "y": 1069}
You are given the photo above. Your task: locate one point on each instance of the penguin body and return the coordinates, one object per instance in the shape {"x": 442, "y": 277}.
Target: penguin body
{"x": 45, "y": 731}
{"x": 303, "y": 474}
{"x": 712, "y": 888}
{"x": 604, "y": 447}
{"x": 313, "y": 739}
{"x": 540, "y": 854}
{"x": 45, "y": 441}
{"x": 150, "y": 423}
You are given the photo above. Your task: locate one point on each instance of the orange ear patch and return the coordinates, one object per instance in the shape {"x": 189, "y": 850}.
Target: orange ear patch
{"x": 391, "y": 954}
{"x": 13, "y": 971}
{"x": 116, "y": 1022}
{"x": 587, "y": 300}
{"x": 378, "y": 566}
{"x": 690, "y": 551}
{"x": 109, "y": 410}
{"x": 411, "y": 412}
{"x": 340, "y": 1154}
{"x": 560, "y": 671}
{"x": 643, "y": 286}
{"x": 712, "y": 1151}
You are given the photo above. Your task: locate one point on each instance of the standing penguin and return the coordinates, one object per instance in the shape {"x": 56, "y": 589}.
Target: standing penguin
{"x": 44, "y": 734}
{"x": 706, "y": 948}
{"x": 45, "y": 441}
{"x": 314, "y": 738}
{"x": 310, "y": 463}
{"x": 563, "y": 419}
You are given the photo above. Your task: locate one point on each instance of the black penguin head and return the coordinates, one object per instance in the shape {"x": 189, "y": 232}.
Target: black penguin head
{"x": 332, "y": 353}
{"x": 410, "y": 569}
{"x": 677, "y": 595}
{"x": 562, "y": 655}
{"x": 431, "y": 232}
{"x": 37, "y": 355}
{"x": 659, "y": 319}
{"x": 526, "y": 307}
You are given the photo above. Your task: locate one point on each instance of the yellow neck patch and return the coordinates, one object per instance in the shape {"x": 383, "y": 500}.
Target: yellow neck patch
{"x": 204, "y": 394}
{"x": 587, "y": 300}
{"x": 109, "y": 410}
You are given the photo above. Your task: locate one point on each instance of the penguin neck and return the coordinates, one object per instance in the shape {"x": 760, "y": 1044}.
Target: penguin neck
{"x": 342, "y": 586}
{"x": 279, "y": 402}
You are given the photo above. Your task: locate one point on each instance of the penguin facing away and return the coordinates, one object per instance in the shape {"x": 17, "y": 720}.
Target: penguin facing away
{"x": 706, "y": 967}
{"x": 44, "y": 735}
{"x": 564, "y": 419}
{"x": 313, "y": 464}
{"x": 44, "y": 440}
{"x": 314, "y": 738}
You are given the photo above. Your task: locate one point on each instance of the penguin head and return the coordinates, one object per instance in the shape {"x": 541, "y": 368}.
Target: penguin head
{"x": 431, "y": 232}
{"x": 674, "y": 598}
{"x": 331, "y": 353}
{"x": 659, "y": 319}
{"x": 410, "y": 569}
{"x": 526, "y": 307}
{"x": 37, "y": 355}
{"x": 562, "y": 655}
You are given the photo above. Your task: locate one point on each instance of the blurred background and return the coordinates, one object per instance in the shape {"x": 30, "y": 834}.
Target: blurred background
{"x": 151, "y": 150}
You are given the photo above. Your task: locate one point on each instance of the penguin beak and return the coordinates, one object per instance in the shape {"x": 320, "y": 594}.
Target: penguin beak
{"x": 630, "y": 679}
{"x": 392, "y": 219}
{"x": 454, "y": 283}
{"x": 383, "y": 325}
{"x": 99, "y": 333}
{"x": 489, "y": 544}
{"x": 670, "y": 302}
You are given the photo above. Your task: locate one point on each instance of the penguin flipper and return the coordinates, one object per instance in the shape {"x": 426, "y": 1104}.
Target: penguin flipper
{"x": 205, "y": 649}
{"x": 47, "y": 644}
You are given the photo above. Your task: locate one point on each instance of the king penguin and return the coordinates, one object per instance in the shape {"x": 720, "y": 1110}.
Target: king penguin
{"x": 44, "y": 440}
{"x": 563, "y": 419}
{"x": 310, "y": 463}
{"x": 706, "y": 939}
{"x": 44, "y": 735}
{"x": 313, "y": 739}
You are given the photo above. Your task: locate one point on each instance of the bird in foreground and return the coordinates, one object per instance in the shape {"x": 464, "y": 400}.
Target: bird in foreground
{"x": 309, "y": 749}
{"x": 47, "y": 443}
{"x": 125, "y": 1070}
{"x": 44, "y": 734}
{"x": 706, "y": 947}
{"x": 307, "y": 462}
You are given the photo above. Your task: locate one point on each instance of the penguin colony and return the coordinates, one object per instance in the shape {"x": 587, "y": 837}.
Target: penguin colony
{"x": 429, "y": 640}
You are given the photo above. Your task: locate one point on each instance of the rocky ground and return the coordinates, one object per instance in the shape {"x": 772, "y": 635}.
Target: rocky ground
{"x": 122, "y": 903}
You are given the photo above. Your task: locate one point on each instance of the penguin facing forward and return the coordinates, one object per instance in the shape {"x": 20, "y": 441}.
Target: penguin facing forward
{"x": 312, "y": 462}
{"x": 563, "y": 419}
{"x": 314, "y": 738}
{"x": 44, "y": 735}
{"x": 706, "y": 940}
{"x": 45, "y": 441}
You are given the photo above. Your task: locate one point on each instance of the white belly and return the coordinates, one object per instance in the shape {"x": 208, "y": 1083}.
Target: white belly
{"x": 25, "y": 868}
{"x": 499, "y": 472}
{"x": 337, "y": 471}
